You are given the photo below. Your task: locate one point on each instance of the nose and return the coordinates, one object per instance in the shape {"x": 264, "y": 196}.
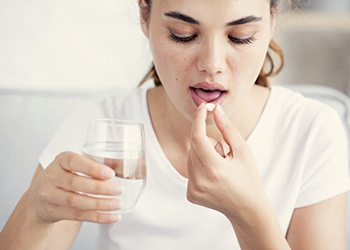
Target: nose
{"x": 212, "y": 57}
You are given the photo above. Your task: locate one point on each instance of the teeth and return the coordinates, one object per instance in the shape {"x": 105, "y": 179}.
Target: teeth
{"x": 210, "y": 106}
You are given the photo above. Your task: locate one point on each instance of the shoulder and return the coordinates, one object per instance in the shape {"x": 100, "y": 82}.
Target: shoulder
{"x": 305, "y": 120}
{"x": 70, "y": 135}
{"x": 293, "y": 104}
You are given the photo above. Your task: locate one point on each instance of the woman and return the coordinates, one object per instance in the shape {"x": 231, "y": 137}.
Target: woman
{"x": 266, "y": 169}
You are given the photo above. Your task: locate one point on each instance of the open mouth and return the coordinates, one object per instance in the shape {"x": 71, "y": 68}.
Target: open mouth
{"x": 202, "y": 95}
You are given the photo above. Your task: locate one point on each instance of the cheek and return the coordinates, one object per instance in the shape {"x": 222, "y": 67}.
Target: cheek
{"x": 170, "y": 61}
{"x": 256, "y": 61}
{"x": 250, "y": 62}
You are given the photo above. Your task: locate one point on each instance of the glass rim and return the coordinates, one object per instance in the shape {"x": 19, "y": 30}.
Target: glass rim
{"x": 113, "y": 121}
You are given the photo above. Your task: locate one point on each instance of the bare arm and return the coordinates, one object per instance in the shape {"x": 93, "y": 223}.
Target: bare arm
{"x": 235, "y": 189}
{"x": 22, "y": 230}
{"x": 259, "y": 230}
{"x": 63, "y": 233}
{"x": 321, "y": 226}
{"x": 49, "y": 213}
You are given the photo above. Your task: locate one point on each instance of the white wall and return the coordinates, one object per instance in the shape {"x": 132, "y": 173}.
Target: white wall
{"x": 317, "y": 49}
{"x": 71, "y": 45}
{"x": 98, "y": 45}
{"x": 334, "y": 6}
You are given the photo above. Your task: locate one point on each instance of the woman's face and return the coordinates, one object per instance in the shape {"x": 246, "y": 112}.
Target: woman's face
{"x": 208, "y": 51}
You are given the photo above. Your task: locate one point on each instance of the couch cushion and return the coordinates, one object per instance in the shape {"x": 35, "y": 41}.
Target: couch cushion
{"x": 28, "y": 121}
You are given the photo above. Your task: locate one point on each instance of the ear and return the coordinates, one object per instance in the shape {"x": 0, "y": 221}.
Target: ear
{"x": 144, "y": 17}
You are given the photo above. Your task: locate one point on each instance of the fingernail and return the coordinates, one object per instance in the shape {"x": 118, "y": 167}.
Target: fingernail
{"x": 220, "y": 110}
{"x": 200, "y": 106}
{"x": 118, "y": 217}
{"x": 107, "y": 172}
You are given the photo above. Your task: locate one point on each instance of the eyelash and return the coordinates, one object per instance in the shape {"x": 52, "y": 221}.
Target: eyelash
{"x": 188, "y": 39}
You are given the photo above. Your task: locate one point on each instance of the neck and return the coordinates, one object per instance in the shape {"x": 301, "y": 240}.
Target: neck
{"x": 169, "y": 128}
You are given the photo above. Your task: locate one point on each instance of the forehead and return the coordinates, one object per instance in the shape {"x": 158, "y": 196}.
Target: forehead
{"x": 213, "y": 11}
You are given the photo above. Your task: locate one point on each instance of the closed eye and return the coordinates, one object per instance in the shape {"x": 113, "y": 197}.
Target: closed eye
{"x": 182, "y": 39}
{"x": 187, "y": 39}
{"x": 241, "y": 41}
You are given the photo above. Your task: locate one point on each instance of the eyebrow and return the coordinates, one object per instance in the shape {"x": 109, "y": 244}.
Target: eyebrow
{"x": 182, "y": 17}
{"x": 244, "y": 20}
{"x": 191, "y": 20}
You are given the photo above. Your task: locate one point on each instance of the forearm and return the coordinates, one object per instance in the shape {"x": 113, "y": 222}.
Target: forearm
{"x": 259, "y": 230}
{"x": 23, "y": 230}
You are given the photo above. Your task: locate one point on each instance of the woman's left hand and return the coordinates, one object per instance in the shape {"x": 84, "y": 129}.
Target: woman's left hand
{"x": 228, "y": 183}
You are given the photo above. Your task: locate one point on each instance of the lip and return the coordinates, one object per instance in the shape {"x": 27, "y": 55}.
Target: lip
{"x": 209, "y": 86}
{"x": 198, "y": 101}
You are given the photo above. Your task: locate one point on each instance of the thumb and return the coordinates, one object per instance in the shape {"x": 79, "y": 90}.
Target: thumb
{"x": 231, "y": 135}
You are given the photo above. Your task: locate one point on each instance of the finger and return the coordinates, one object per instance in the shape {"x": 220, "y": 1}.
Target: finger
{"x": 199, "y": 124}
{"x": 75, "y": 183}
{"x": 194, "y": 166}
{"x": 192, "y": 162}
{"x": 80, "y": 201}
{"x": 230, "y": 134}
{"x": 79, "y": 164}
{"x": 199, "y": 139}
{"x": 94, "y": 216}
{"x": 115, "y": 164}
{"x": 189, "y": 163}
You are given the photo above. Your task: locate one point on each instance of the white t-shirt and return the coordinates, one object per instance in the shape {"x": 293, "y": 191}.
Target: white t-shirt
{"x": 299, "y": 145}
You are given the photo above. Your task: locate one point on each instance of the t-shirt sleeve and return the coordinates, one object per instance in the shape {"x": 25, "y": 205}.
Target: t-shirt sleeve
{"x": 326, "y": 172}
{"x": 72, "y": 132}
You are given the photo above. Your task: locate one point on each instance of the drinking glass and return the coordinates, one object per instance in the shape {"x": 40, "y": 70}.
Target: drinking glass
{"x": 120, "y": 145}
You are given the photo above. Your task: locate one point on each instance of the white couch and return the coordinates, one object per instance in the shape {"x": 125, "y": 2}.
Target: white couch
{"x": 29, "y": 118}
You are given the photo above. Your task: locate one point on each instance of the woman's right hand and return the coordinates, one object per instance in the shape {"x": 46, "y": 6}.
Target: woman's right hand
{"x": 54, "y": 194}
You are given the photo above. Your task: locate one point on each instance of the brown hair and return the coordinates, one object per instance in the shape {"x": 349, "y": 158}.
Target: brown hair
{"x": 269, "y": 68}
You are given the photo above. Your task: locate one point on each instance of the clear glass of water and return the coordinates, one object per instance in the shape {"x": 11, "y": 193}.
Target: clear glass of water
{"x": 120, "y": 145}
